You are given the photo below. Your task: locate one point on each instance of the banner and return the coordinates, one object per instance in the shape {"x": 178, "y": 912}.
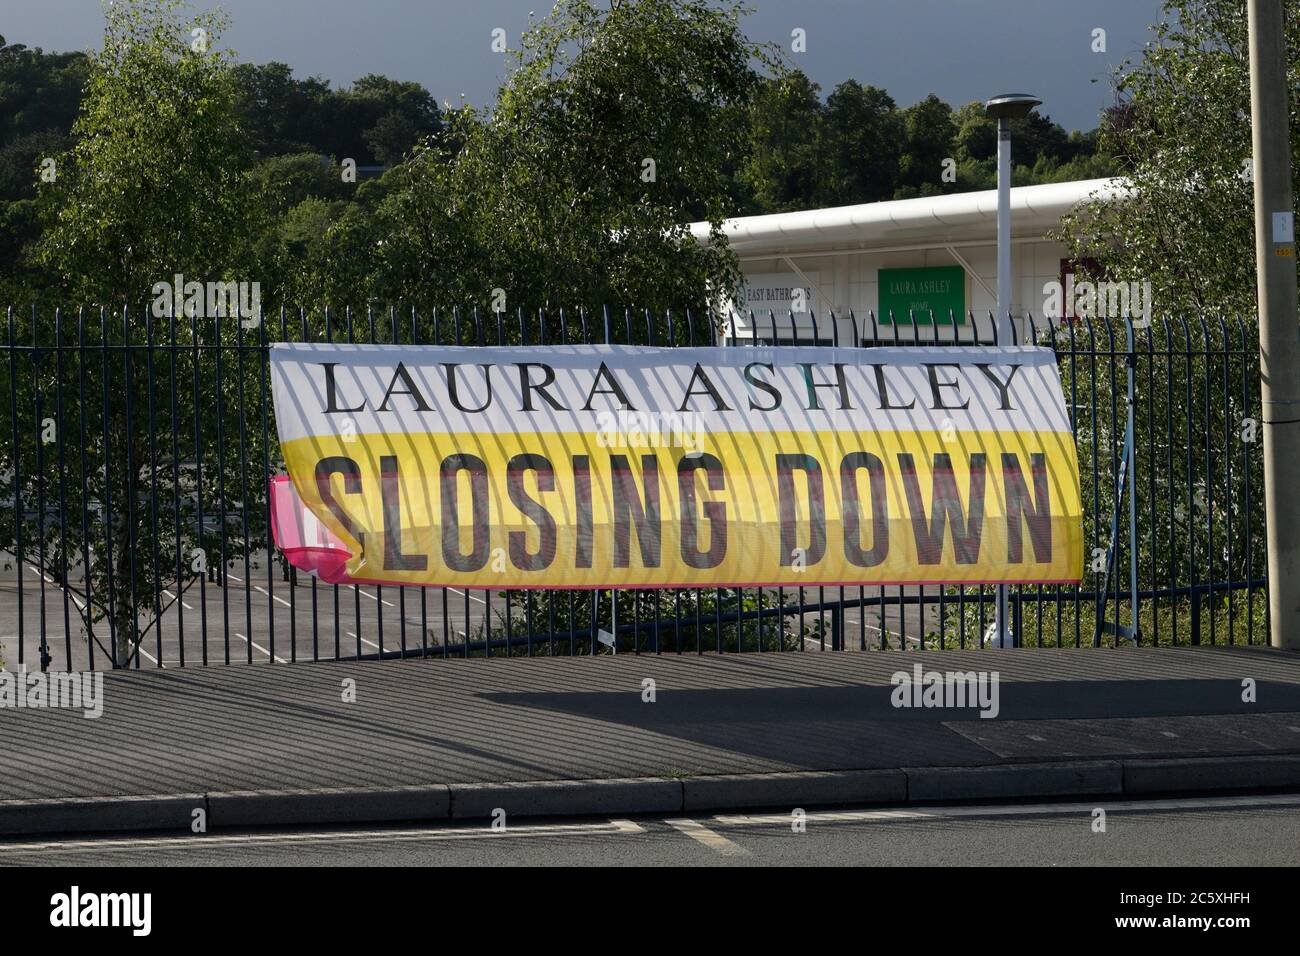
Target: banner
{"x": 586, "y": 466}
{"x": 308, "y": 545}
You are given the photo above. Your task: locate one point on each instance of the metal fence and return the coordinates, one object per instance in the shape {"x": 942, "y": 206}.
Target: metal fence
{"x": 135, "y": 462}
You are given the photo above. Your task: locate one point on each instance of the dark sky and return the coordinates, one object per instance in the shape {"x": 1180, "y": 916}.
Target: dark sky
{"x": 960, "y": 49}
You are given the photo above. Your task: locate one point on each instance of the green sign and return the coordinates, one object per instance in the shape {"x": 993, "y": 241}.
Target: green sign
{"x": 908, "y": 292}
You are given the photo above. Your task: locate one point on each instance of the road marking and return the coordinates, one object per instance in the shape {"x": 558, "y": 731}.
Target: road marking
{"x": 175, "y": 598}
{"x": 257, "y": 646}
{"x": 367, "y": 594}
{"x": 258, "y": 587}
{"x": 353, "y": 635}
{"x": 472, "y": 597}
{"x": 842, "y": 816}
{"x": 326, "y": 836}
{"x": 81, "y": 605}
{"x": 701, "y": 834}
{"x": 273, "y": 597}
{"x": 139, "y": 647}
{"x": 1028, "y": 810}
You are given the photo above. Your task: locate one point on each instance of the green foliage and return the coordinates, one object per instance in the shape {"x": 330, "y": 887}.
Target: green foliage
{"x": 39, "y": 96}
{"x": 156, "y": 183}
{"x": 864, "y": 132}
{"x": 784, "y": 162}
{"x": 1182, "y": 138}
{"x": 158, "y": 168}
{"x": 860, "y": 147}
{"x": 609, "y": 137}
{"x": 729, "y": 620}
{"x": 928, "y": 131}
{"x": 1198, "y": 477}
{"x": 374, "y": 122}
{"x": 38, "y": 91}
{"x": 528, "y": 196}
{"x": 282, "y": 182}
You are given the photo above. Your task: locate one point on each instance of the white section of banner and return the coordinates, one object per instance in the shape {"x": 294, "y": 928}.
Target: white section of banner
{"x": 321, "y": 389}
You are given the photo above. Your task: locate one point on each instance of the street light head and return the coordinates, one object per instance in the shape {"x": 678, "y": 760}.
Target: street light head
{"x": 1011, "y": 106}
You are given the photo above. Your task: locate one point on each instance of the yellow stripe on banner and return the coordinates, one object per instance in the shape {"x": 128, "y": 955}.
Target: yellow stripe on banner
{"x": 779, "y": 508}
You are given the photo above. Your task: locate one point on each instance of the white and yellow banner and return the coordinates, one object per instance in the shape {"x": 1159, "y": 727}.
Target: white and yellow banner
{"x": 589, "y": 466}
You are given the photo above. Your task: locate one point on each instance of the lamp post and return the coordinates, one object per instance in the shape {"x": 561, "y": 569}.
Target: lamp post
{"x": 1004, "y": 109}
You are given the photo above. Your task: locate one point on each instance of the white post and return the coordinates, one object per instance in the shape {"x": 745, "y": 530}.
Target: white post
{"x": 1003, "y": 317}
{"x": 1002, "y": 325}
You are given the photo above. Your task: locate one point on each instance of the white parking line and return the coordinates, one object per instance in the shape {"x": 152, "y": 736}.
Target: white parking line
{"x": 81, "y": 605}
{"x": 258, "y": 587}
{"x": 274, "y": 597}
{"x": 367, "y": 594}
{"x": 353, "y": 635}
{"x": 1028, "y": 809}
{"x": 259, "y": 647}
{"x": 145, "y": 654}
{"x": 472, "y": 597}
{"x": 844, "y": 816}
{"x": 184, "y": 604}
{"x": 325, "y": 836}
{"x": 701, "y": 834}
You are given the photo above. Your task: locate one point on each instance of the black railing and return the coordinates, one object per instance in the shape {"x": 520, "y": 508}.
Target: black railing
{"x": 134, "y": 467}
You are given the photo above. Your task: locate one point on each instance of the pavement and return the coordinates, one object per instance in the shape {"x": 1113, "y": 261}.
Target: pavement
{"x": 314, "y": 743}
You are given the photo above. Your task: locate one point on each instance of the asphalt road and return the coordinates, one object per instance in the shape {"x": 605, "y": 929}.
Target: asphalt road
{"x": 1208, "y": 832}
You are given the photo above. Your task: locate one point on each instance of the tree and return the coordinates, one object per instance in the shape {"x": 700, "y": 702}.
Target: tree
{"x": 864, "y": 139}
{"x": 928, "y": 132}
{"x": 23, "y": 161}
{"x": 125, "y": 437}
{"x": 977, "y": 135}
{"x": 1182, "y": 139}
{"x": 398, "y": 115}
{"x": 159, "y": 163}
{"x": 391, "y": 137}
{"x": 281, "y": 182}
{"x": 609, "y": 137}
{"x": 784, "y": 165}
{"x": 281, "y": 114}
{"x": 1180, "y": 135}
{"x": 375, "y": 121}
{"x": 39, "y": 95}
{"x": 38, "y": 90}
{"x": 614, "y": 130}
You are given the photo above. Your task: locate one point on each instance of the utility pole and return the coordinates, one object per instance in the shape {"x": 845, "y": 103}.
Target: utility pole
{"x": 1279, "y": 332}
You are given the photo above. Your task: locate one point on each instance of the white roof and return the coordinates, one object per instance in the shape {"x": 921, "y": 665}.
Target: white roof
{"x": 933, "y": 219}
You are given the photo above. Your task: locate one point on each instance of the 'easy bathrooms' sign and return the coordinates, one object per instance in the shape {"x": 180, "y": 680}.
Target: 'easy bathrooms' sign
{"x": 594, "y": 466}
